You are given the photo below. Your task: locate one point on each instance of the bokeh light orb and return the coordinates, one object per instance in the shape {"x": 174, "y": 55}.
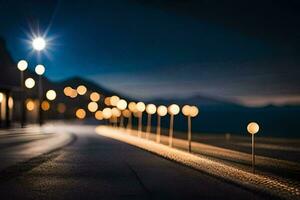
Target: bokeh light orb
{"x": 132, "y": 107}
{"x": 10, "y": 102}
{"x": 38, "y": 43}
{"x": 30, "y": 105}
{"x": 116, "y": 112}
{"x": 253, "y": 128}
{"x": 151, "y": 109}
{"x": 194, "y": 111}
{"x": 162, "y": 111}
{"x": 186, "y": 110}
{"x": 1, "y": 97}
{"x": 107, "y": 113}
{"x": 22, "y": 65}
{"x": 29, "y": 83}
{"x": 99, "y": 115}
{"x": 93, "y": 106}
{"x": 140, "y": 106}
{"x": 107, "y": 101}
{"x": 40, "y": 69}
{"x": 126, "y": 113}
{"x": 51, "y": 95}
{"x": 114, "y": 100}
{"x": 95, "y": 96}
{"x": 122, "y": 104}
{"x": 81, "y": 90}
{"x": 45, "y": 105}
{"x": 173, "y": 109}
{"x": 68, "y": 91}
{"x": 80, "y": 113}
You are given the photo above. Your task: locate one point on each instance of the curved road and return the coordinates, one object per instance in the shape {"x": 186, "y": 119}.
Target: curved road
{"x": 94, "y": 167}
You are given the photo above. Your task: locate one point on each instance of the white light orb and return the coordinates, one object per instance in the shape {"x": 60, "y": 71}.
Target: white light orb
{"x": 40, "y": 69}
{"x": 162, "y": 111}
{"x": 140, "y": 106}
{"x": 93, "y": 106}
{"x": 22, "y": 65}
{"x": 253, "y": 128}
{"x": 173, "y": 109}
{"x": 194, "y": 111}
{"x": 151, "y": 109}
{"x": 51, "y": 95}
{"x": 186, "y": 110}
{"x": 106, "y": 113}
{"x": 29, "y": 83}
{"x": 122, "y": 104}
{"x": 39, "y": 43}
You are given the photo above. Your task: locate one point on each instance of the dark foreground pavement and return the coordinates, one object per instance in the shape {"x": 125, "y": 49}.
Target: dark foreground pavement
{"x": 94, "y": 167}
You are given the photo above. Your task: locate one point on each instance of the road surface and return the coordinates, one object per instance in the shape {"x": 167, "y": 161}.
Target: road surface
{"x": 95, "y": 167}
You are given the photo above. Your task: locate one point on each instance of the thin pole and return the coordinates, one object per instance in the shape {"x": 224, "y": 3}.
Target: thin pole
{"x": 190, "y": 133}
{"x": 140, "y": 124}
{"x": 129, "y": 125}
{"x": 253, "y": 154}
{"x": 121, "y": 121}
{"x": 148, "y": 126}
{"x": 40, "y": 100}
{"x": 171, "y": 130}
{"x": 23, "y": 114}
{"x": 158, "y": 129}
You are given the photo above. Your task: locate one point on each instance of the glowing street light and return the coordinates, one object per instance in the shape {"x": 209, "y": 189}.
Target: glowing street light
{"x": 150, "y": 109}
{"x": 172, "y": 110}
{"x": 114, "y": 100}
{"x": 80, "y": 113}
{"x": 99, "y": 115}
{"x": 95, "y": 96}
{"x": 40, "y": 70}
{"x": 132, "y": 109}
{"x": 190, "y": 111}
{"x": 161, "y": 112}
{"x": 121, "y": 105}
{"x": 140, "y": 106}
{"x": 22, "y": 66}
{"x": 81, "y": 90}
{"x": 253, "y": 128}
{"x": 29, "y": 83}
{"x": 38, "y": 43}
{"x": 51, "y": 95}
{"x": 92, "y": 106}
{"x": 107, "y": 113}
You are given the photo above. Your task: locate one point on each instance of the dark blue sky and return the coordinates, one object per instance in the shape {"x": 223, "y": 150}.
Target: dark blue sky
{"x": 146, "y": 51}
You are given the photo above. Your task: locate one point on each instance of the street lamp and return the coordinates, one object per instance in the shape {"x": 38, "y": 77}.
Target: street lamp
{"x": 173, "y": 110}
{"x": 121, "y": 105}
{"x": 150, "y": 109}
{"x": 22, "y": 66}
{"x": 38, "y": 43}
{"x": 51, "y": 95}
{"x": 161, "y": 112}
{"x": 40, "y": 70}
{"x": 81, "y": 90}
{"x": 190, "y": 111}
{"x": 253, "y": 128}
{"x": 29, "y": 83}
{"x": 140, "y": 106}
{"x": 92, "y": 106}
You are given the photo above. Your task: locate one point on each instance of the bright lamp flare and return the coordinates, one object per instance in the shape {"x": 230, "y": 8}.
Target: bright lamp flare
{"x": 151, "y": 109}
{"x": 253, "y": 128}
{"x": 45, "y": 105}
{"x": 22, "y": 65}
{"x": 107, "y": 113}
{"x": 29, "y": 83}
{"x": 40, "y": 69}
{"x": 39, "y": 43}
{"x": 114, "y": 100}
{"x": 51, "y": 95}
{"x": 194, "y": 111}
{"x": 80, "y": 113}
{"x": 122, "y": 104}
{"x": 81, "y": 89}
{"x": 30, "y": 105}
{"x": 140, "y": 106}
{"x": 132, "y": 107}
{"x": 1, "y": 97}
{"x": 93, "y": 106}
{"x": 99, "y": 115}
{"x": 95, "y": 96}
{"x": 173, "y": 109}
{"x": 162, "y": 111}
{"x": 186, "y": 110}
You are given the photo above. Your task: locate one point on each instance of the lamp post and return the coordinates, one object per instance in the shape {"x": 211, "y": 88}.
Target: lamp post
{"x": 22, "y": 66}
{"x": 161, "y": 112}
{"x": 253, "y": 128}
{"x": 140, "y": 106}
{"x": 132, "y": 109}
{"x": 150, "y": 109}
{"x": 122, "y": 105}
{"x": 173, "y": 110}
{"x": 40, "y": 70}
{"x": 190, "y": 111}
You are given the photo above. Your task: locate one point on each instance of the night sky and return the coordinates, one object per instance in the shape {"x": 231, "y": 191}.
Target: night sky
{"x": 245, "y": 52}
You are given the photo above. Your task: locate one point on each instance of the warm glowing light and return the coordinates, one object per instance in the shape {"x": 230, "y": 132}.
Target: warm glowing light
{"x": 22, "y": 65}
{"x": 107, "y": 101}
{"x": 173, "y": 109}
{"x": 10, "y": 102}
{"x": 45, "y": 105}
{"x": 39, "y": 43}
{"x": 61, "y": 108}
{"x": 194, "y": 111}
{"x": 81, "y": 90}
{"x": 1, "y": 97}
{"x": 151, "y": 109}
{"x": 93, "y": 106}
{"x": 68, "y": 91}
{"x": 95, "y": 96}
{"x": 51, "y": 95}
{"x": 29, "y": 83}
{"x": 106, "y": 113}
{"x": 122, "y": 104}
{"x": 126, "y": 113}
{"x": 140, "y": 106}
{"x": 116, "y": 112}
{"x": 132, "y": 107}
{"x": 253, "y": 128}
{"x": 99, "y": 115}
{"x": 162, "y": 111}
{"x": 73, "y": 93}
{"x": 186, "y": 110}
{"x": 80, "y": 113}
{"x": 40, "y": 69}
{"x": 114, "y": 100}
{"x": 30, "y": 105}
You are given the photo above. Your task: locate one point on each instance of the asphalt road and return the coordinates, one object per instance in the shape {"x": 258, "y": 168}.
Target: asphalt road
{"x": 94, "y": 167}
